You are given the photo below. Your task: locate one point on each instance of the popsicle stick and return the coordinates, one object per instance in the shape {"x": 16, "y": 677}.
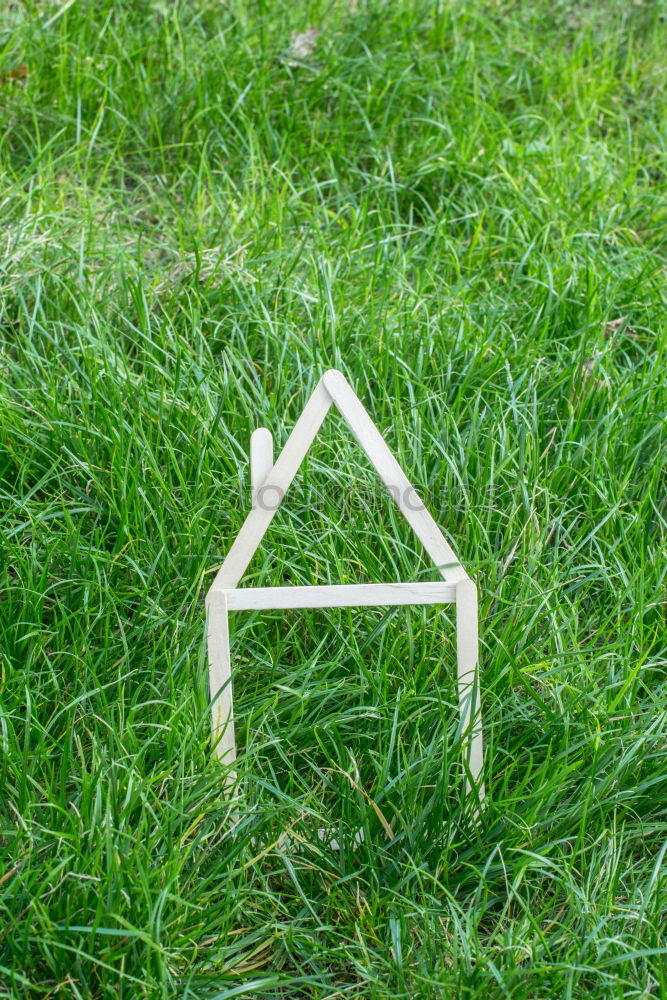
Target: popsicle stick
{"x": 402, "y": 491}
{"x": 271, "y": 494}
{"x": 261, "y": 459}
{"x": 366, "y": 595}
{"x": 220, "y": 680}
{"x": 468, "y": 680}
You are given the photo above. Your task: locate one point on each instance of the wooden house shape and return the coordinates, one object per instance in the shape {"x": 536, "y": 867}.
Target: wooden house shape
{"x": 270, "y": 482}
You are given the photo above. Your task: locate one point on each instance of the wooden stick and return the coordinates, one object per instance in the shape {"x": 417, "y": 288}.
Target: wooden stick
{"x": 468, "y": 678}
{"x": 367, "y": 595}
{"x": 261, "y": 459}
{"x": 403, "y": 493}
{"x": 271, "y": 494}
{"x": 220, "y": 680}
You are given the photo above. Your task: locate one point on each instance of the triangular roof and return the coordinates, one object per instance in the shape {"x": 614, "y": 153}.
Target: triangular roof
{"x": 274, "y": 480}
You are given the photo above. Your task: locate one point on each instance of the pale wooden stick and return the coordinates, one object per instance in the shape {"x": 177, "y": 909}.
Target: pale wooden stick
{"x": 271, "y": 494}
{"x": 403, "y": 493}
{"x": 365, "y": 595}
{"x": 468, "y": 679}
{"x": 220, "y": 679}
{"x": 261, "y": 459}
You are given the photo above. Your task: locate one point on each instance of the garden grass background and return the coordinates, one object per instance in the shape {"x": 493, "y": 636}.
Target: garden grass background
{"x": 463, "y": 207}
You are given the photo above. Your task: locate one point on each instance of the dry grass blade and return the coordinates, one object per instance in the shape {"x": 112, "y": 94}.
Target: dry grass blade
{"x": 386, "y": 825}
{"x": 13, "y": 76}
{"x": 301, "y": 46}
{"x": 620, "y": 325}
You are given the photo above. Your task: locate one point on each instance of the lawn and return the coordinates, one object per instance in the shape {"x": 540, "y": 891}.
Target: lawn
{"x": 462, "y": 206}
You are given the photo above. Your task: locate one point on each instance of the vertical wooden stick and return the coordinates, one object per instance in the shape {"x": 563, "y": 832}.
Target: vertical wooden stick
{"x": 261, "y": 459}
{"x": 468, "y": 676}
{"x": 220, "y": 679}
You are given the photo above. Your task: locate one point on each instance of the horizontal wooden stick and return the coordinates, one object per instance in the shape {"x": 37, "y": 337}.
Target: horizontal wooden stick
{"x": 342, "y": 596}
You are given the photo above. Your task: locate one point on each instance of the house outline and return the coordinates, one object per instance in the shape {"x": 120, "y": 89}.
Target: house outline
{"x": 270, "y": 482}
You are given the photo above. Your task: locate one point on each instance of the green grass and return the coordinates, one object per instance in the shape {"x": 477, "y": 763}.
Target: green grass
{"x": 463, "y": 207}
